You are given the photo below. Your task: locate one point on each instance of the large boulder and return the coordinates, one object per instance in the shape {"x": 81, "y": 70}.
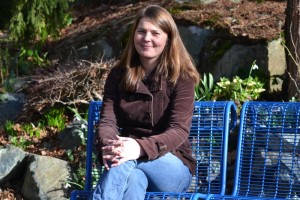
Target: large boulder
{"x": 45, "y": 178}
{"x": 12, "y": 163}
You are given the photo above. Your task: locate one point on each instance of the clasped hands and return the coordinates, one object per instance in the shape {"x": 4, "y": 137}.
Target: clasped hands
{"x": 120, "y": 150}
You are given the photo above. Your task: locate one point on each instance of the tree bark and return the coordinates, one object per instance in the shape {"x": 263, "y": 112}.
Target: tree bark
{"x": 292, "y": 37}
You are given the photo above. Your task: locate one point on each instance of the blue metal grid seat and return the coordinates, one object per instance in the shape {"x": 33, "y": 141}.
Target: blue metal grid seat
{"x": 229, "y": 197}
{"x": 268, "y": 152}
{"x": 211, "y": 124}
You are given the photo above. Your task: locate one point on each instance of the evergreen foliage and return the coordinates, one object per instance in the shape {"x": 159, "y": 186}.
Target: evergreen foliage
{"x": 35, "y": 20}
{"x": 6, "y": 8}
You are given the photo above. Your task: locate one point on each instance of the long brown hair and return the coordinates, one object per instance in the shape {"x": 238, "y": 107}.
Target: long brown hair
{"x": 175, "y": 60}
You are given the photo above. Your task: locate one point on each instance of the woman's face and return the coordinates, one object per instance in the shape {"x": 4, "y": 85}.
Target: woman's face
{"x": 149, "y": 40}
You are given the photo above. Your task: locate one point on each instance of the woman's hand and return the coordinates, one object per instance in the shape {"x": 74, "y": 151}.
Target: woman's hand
{"x": 121, "y": 150}
{"x": 110, "y": 152}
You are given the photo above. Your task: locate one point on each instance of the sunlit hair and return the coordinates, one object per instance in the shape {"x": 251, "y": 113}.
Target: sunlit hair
{"x": 175, "y": 59}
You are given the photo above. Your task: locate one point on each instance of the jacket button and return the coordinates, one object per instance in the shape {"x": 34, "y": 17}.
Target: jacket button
{"x": 131, "y": 98}
{"x": 147, "y": 116}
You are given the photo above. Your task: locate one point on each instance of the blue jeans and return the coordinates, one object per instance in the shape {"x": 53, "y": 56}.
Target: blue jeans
{"x": 131, "y": 180}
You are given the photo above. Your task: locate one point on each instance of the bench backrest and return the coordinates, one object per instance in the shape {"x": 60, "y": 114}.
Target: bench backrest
{"x": 211, "y": 124}
{"x": 209, "y": 132}
{"x": 268, "y": 152}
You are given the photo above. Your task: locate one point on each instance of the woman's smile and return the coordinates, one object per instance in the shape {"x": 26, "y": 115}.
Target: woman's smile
{"x": 149, "y": 40}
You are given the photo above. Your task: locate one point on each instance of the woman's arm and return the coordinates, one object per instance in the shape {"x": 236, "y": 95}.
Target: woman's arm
{"x": 107, "y": 127}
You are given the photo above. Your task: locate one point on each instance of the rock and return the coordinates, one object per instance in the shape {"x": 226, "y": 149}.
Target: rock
{"x": 276, "y": 64}
{"x": 10, "y": 106}
{"x": 239, "y": 58}
{"x": 45, "y": 178}
{"x": 73, "y": 135}
{"x": 194, "y": 38}
{"x": 12, "y": 163}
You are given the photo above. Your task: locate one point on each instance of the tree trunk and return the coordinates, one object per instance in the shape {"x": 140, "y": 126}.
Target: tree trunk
{"x": 292, "y": 34}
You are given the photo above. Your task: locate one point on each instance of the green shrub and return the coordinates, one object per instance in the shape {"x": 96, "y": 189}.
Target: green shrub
{"x": 204, "y": 90}
{"x": 239, "y": 90}
{"x": 20, "y": 142}
{"x": 9, "y": 128}
{"x": 32, "y": 130}
{"x": 37, "y": 19}
{"x": 55, "y": 118}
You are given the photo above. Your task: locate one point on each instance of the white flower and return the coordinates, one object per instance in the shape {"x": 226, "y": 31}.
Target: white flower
{"x": 255, "y": 66}
{"x": 251, "y": 83}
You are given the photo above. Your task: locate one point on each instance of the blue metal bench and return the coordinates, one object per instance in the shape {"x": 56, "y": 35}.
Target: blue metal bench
{"x": 211, "y": 124}
{"x": 268, "y": 152}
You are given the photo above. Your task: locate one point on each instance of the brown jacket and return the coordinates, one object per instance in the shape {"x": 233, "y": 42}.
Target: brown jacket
{"x": 158, "y": 115}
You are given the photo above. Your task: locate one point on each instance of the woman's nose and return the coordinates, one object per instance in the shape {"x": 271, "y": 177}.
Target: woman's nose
{"x": 147, "y": 36}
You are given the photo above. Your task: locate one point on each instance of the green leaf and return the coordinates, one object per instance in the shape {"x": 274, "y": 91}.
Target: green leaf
{"x": 211, "y": 81}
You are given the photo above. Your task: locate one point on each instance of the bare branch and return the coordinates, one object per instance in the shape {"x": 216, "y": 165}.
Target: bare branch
{"x": 74, "y": 84}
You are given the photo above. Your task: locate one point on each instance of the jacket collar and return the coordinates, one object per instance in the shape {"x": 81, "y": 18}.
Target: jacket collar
{"x": 154, "y": 85}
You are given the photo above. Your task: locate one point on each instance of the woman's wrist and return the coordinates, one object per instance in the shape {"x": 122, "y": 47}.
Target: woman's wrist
{"x": 142, "y": 151}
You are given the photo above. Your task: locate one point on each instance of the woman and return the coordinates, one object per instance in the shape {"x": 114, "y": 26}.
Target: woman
{"x": 146, "y": 113}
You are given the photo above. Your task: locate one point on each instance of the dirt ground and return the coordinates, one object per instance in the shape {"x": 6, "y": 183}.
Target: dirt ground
{"x": 246, "y": 19}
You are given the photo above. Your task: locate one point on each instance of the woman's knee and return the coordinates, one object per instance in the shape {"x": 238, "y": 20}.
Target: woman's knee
{"x": 136, "y": 185}
{"x": 137, "y": 176}
{"x": 166, "y": 174}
